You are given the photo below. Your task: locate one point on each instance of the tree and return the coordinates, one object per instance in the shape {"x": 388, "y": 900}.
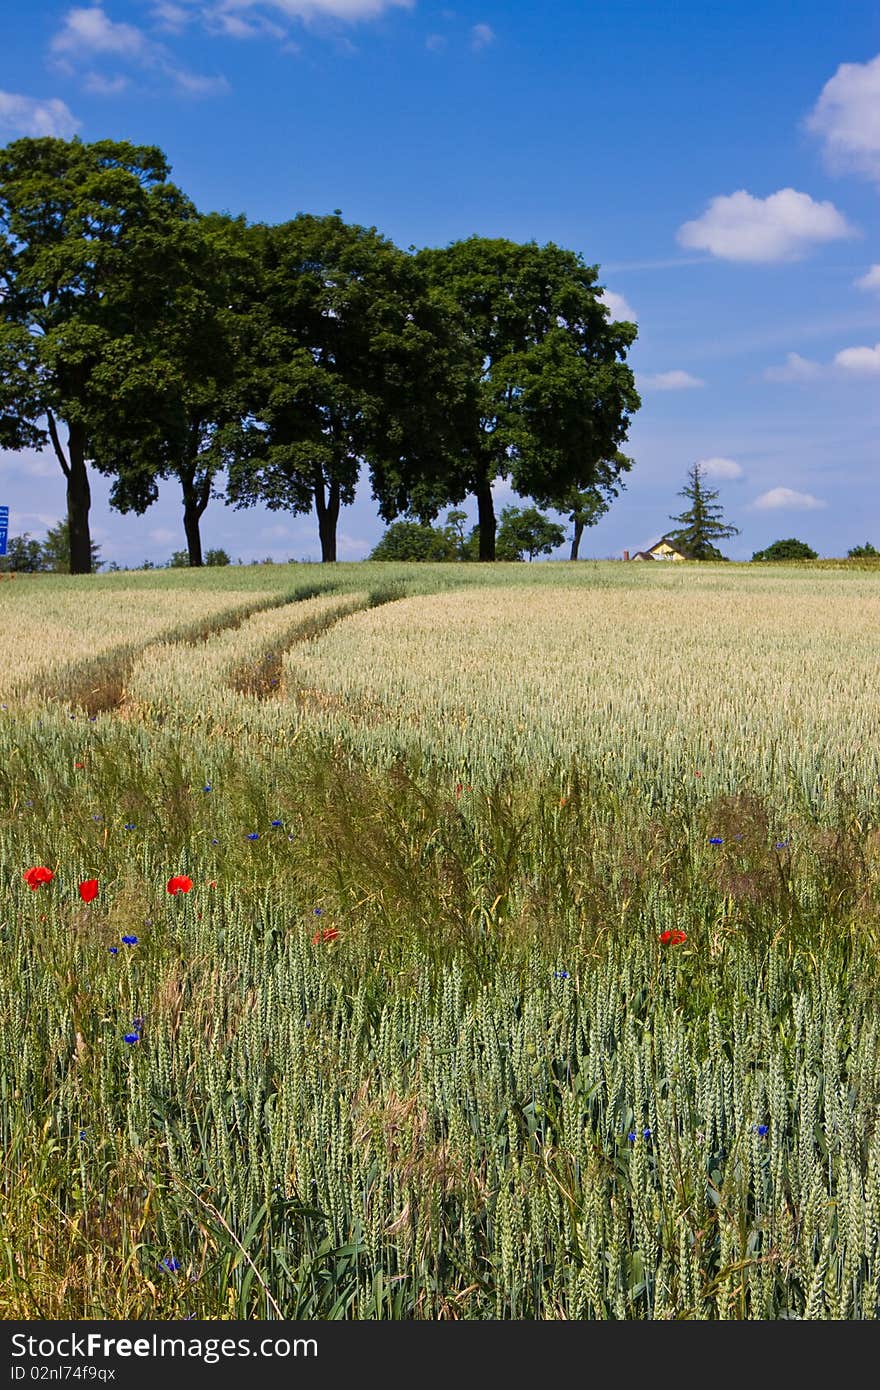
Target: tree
{"x": 551, "y": 393}
{"x": 217, "y": 557}
{"x": 786, "y": 550}
{"x": 416, "y": 540}
{"x": 359, "y": 363}
{"x": 585, "y": 506}
{"x": 82, "y": 276}
{"x": 862, "y": 552}
{"x": 186, "y": 378}
{"x": 526, "y": 531}
{"x": 701, "y": 524}
{"x": 56, "y": 551}
{"x": 179, "y": 560}
{"x": 23, "y": 556}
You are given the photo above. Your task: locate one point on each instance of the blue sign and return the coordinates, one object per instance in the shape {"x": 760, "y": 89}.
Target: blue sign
{"x": 4, "y": 528}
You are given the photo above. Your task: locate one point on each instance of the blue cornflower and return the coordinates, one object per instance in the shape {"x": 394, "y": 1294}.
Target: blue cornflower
{"x": 560, "y": 975}
{"x": 715, "y": 840}
{"x": 97, "y": 817}
{"x": 632, "y": 1136}
{"x": 82, "y": 1135}
{"x": 253, "y": 834}
{"x": 782, "y": 844}
{"x": 137, "y": 1023}
{"x": 129, "y": 940}
{"x": 129, "y": 825}
{"x": 170, "y": 1263}
{"x": 114, "y": 950}
{"x": 646, "y": 1134}
{"x": 276, "y": 824}
{"x": 761, "y": 1130}
{"x": 131, "y": 1038}
{"x": 215, "y": 842}
{"x": 319, "y": 911}
{"x": 207, "y": 787}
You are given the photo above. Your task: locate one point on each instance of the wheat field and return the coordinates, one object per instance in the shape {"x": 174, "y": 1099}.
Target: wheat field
{"x": 482, "y": 942}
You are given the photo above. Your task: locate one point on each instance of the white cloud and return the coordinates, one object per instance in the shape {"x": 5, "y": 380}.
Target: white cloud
{"x": 171, "y": 16}
{"x": 721, "y": 468}
{"x": 865, "y": 360}
{"x": 619, "y": 309}
{"x": 194, "y": 84}
{"x": 482, "y": 35}
{"x": 349, "y": 11}
{"x": 781, "y": 227}
{"x": 104, "y": 86}
{"x": 162, "y": 535}
{"x": 21, "y": 115}
{"x": 90, "y": 31}
{"x": 870, "y": 280}
{"x": 436, "y": 43}
{"x": 671, "y": 381}
{"x": 847, "y": 118}
{"x": 795, "y": 368}
{"x": 786, "y": 499}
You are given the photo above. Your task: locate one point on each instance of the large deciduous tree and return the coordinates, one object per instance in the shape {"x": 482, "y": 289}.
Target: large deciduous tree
{"x": 359, "y": 363}
{"x": 188, "y": 379}
{"x": 700, "y": 526}
{"x": 83, "y": 275}
{"x": 553, "y": 394}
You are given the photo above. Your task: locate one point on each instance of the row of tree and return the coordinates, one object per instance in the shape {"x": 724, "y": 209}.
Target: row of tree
{"x": 148, "y": 341}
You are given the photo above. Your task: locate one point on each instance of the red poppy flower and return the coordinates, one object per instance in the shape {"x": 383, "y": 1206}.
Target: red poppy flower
{"x": 698, "y": 773}
{"x": 327, "y": 934}
{"x": 37, "y": 875}
{"x": 88, "y": 890}
{"x": 179, "y": 883}
{"x": 212, "y": 883}
{"x": 673, "y": 938}
{"x": 79, "y": 764}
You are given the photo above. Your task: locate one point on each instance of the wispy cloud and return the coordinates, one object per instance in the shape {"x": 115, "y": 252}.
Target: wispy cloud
{"x": 846, "y": 118}
{"x": 21, "y": 115}
{"x": 436, "y": 43}
{"x": 90, "y": 34}
{"x": 727, "y": 469}
{"x": 671, "y": 381}
{"x": 851, "y": 361}
{"x": 782, "y": 227}
{"x": 104, "y": 86}
{"x": 780, "y": 499}
{"x": 481, "y": 36}
{"x": 795, "y": 368}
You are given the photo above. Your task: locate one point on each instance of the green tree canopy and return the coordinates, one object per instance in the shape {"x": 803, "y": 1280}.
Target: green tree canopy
{"x": 526, "y": 531}
{"x": 83, "y": 275}
{"x": 416, "y": 540}
{"x": 700, "y": 526}
{"x": 188, "y": 376}
{"x": 553, "y": 395}
{"x": 790, "y": 549}
{"x": 862, "y": 552}
{"x": 24, "y": 555}
{"x": 359, "y": 362}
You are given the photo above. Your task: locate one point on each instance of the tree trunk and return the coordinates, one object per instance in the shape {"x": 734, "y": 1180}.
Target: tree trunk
{"x": 79, "y": 500}
{"x": 191, "y": 519}
{"x": 195, "y": 500}
{"x": 486, "y": 519}
{"x": 576, "y": 539}
{"x": 328, "y": 515}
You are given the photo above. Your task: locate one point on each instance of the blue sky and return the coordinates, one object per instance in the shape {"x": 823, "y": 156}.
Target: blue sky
{"x": 721, "y": 165}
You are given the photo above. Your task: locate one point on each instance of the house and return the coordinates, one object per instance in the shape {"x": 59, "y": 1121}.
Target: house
{"x": 664, "y": 549}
